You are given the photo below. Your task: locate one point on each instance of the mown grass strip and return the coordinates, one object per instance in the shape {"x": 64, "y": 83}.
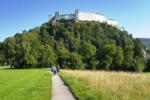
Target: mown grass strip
{"x": 25, "y": 84}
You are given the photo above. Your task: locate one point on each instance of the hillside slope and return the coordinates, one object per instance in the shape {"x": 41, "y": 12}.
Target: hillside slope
{"x": 74, "y": 45}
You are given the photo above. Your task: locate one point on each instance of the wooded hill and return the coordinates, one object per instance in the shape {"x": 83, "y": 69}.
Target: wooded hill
{"x": 74, "y": 45}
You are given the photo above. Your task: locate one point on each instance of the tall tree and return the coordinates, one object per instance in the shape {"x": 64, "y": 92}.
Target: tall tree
{"x": 88, "y": 51}
{"x": 2, "y": 55}
{"x": 75, "y": 61}
{"x": 48, "y": 56}
{"x": 118, "y": 59}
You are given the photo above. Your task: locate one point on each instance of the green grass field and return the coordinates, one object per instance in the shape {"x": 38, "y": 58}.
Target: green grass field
{"x": 101, "y": 85}
{"x": 25, "y": 84}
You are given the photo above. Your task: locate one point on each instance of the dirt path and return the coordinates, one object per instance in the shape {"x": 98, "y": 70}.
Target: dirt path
{"x": 59, "y": 90}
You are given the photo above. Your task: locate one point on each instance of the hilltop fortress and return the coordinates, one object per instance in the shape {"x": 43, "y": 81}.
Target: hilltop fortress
{"x": 85, "y": 16}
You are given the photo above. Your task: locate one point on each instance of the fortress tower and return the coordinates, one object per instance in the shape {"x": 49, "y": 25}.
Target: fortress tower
{"x": 76, "y": 14}
{"x": 57, "y": 15}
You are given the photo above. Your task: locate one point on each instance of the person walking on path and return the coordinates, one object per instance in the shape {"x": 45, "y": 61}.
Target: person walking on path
{"x": 53, "y": 70}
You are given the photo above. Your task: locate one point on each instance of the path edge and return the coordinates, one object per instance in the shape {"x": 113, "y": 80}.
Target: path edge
{"x": 65, "y": 83}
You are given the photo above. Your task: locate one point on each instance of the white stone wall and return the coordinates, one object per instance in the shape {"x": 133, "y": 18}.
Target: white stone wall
{"x": 66, "y": 16}
{"x": 112, "y": 22}
{"x": 83, "y": 16}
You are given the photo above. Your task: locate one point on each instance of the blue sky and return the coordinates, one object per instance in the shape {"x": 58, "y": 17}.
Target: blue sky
{"x": 19, "y": 15}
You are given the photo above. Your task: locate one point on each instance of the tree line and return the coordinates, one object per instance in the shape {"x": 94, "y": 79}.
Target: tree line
{"x": 74, "y": 45}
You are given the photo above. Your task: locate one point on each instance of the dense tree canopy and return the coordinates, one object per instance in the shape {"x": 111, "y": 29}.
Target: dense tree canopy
{"x": 2, "y": 55}
{"x": 74, "y": 45}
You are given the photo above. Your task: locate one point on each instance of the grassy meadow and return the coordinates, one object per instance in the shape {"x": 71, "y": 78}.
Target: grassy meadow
{"x": 34, "y": 84}
{"x": 101, "y": 85}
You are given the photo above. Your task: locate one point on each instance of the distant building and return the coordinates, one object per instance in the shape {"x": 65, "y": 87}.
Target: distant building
{"x": 146, "y": 54}
{"x": 85, "y": 16}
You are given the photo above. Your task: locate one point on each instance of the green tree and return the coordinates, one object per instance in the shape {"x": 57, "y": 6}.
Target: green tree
{"x": 75, "y": 61}
{"x": 105, "y": 56}
{"x": 63, "y": 54}
{"x": 118, "y": 59}
{"x": 128, "y": 59}
{"x": 138, "y": 48}
{"x": 48, "y": 57}
{"x": 88, "y": 51}
{"x": 29, "y": 48}
{"x": 9, "y": 50}
{"x": 2, "y": 55}
{"x": 138, "y": 64}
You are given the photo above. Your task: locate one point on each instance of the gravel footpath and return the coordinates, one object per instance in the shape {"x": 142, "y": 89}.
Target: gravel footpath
{"x": 59, "y": 90}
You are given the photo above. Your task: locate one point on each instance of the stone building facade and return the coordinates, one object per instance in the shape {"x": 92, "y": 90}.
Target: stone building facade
{"x": 85, "y": 16}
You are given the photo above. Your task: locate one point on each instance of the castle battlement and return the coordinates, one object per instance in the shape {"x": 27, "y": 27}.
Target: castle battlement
{"x": 85, "y": 16}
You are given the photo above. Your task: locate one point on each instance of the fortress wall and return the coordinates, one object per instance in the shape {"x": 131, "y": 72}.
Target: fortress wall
{"x": 91, "y": 17}
{"x": 85, "y": 16}
{"x": 100, "y": 18}
{"x": 66, "y": 16}
{"x": 112, "y": 22}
